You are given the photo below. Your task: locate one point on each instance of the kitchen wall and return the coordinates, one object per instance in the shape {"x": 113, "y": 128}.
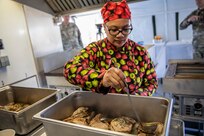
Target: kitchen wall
{"x": 17, "y": 45}
{"x": 46, "y": 41}
{"x": 142, "y": 12}
{"x": 45, "y": 36}
{"x": 165, "y": 14}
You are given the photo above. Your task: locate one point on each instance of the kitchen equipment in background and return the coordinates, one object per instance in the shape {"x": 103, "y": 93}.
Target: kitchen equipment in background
{"x": 4, "y": 61}
{"x": 66, "y": 90}
{"x": 22, "y": 122}
{"x": 157, "y": 39}
{"x": 115, "y": 105}
{"x": 55, "y": 79}
{"x": 189, "y": 106}
{"x": 51, "y": 72}
{"x": 99, "y": 34}
{"x": 1, "y": 44}
{"x": 57, "y": 20}
{"x": 55, "y": 7}
{"x": 184, "y": 79}
{"x": 177, "y": 127}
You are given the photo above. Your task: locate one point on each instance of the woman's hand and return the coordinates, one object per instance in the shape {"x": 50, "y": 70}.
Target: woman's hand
{"x": 114, "y": 77}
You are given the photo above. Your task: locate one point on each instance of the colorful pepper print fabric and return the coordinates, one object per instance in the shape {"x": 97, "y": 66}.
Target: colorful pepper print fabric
{"x": 88, "y": 68}
{"x": 115, "y": 10}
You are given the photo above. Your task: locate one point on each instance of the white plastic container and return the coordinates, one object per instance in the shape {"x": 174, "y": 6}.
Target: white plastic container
{"x": 7, "y": 132}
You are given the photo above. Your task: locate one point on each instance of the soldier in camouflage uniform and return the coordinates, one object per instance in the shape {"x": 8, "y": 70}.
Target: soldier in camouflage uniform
{"x": 196, "y": 19}
{"x": 71, "y": 36}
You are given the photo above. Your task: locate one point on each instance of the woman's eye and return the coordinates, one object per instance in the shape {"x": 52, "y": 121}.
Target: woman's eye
{"x": 114, "y": 30}
{"x": 126, "y": 30}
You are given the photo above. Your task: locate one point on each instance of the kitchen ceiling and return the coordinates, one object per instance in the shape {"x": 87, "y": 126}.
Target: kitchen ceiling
{"x": 56, "y": 7}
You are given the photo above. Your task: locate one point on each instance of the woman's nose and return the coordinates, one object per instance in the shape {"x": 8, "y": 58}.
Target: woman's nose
{"x": 120, "y": 34}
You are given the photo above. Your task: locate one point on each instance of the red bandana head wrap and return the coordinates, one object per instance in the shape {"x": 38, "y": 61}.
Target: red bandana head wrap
{"x": 115, "y": 10}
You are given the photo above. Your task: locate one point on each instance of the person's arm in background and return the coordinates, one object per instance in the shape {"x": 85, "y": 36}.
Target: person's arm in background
{"x": 79, "y": 38}
{"x": 202, "y": 18}
{"x": 82, "y": 69}
{"x": 187, "y": 21}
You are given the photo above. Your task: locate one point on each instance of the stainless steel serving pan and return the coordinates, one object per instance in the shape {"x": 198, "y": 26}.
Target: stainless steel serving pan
{"x": 150, "y": 109}
{"x": 22, "y": 122}
{"x": 177, "y": 127}
{"x": 184, "y": 77}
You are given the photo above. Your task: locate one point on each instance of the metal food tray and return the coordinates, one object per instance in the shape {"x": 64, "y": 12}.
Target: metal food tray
{"x": 177, "y": 127}
{"x": 22, "y": 122}
{"x": 184, "y": 77}
{"x": 150, "y": 109}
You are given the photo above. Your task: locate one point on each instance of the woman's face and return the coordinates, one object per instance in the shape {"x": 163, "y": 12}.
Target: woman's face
{"x": 117, "y": 31}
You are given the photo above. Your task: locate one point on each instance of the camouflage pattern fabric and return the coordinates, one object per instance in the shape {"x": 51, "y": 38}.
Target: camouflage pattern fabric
{"x": 87, "y": 68}
{"x": 71, "y": 36}
{"x": 198, "y": 33}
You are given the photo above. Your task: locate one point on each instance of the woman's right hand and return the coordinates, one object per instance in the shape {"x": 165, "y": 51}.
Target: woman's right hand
{"x": 114, "y": 77}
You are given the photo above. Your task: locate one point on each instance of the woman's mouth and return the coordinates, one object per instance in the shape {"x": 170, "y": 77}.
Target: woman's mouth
{"x": 119, "y": 41}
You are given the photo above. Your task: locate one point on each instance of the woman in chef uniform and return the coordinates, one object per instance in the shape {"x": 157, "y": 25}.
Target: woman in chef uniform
{"x": 115, "y": 64}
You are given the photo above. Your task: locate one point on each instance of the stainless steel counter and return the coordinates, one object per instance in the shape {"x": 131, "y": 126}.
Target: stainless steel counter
{"x": 56, "y": 72}
{"x": 39, "y": 131}
{"x": 55, "y": 78}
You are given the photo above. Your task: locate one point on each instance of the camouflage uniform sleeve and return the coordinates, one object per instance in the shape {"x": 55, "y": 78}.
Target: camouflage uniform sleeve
{"x": 82, "y": 69}
{"x": 79, "y": 38}
{"x": 149, "y": 82}
{"x": 184, "y": 24}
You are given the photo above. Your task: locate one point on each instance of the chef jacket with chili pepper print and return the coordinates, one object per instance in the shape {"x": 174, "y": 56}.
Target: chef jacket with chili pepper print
{"x": 88, "y": 68}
